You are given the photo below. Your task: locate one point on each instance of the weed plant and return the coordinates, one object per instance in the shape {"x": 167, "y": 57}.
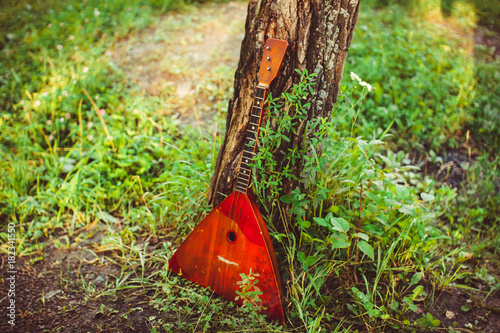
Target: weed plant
{"x": 424, "y": 81}
{"x": 353, "y": 226}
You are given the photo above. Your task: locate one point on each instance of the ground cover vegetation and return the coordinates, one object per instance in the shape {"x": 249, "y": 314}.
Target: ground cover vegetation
{"x": 395, "y": 226}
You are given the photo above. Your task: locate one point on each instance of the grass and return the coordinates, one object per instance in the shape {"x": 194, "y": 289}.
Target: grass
{"x": 371, "y": 240}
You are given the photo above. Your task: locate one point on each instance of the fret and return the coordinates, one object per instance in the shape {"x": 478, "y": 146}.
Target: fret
{"x": 241, "y": 189}
{"x": 250, "y": 158}
{"x": 244, "y": 176}
{"x": 250, "y": 142}
{"x": 246, "y": 159}
{"x": 243, "y": 179}
{"x": 250, "y": 152}
{"x": 242, "y": 184}
{"x": 245, "y": 163}
{"x": 245, "y": 169}
{"x": 245, "y": 172}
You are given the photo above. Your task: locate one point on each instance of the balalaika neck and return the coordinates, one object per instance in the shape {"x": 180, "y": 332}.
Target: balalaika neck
{"x": 250, "y": 147}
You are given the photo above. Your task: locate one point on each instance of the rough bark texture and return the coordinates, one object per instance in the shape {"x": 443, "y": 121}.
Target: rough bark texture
{"x": 319, "y": 33}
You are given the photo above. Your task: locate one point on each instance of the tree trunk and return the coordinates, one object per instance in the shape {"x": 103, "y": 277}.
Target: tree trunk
{"x": 319, "y": 33}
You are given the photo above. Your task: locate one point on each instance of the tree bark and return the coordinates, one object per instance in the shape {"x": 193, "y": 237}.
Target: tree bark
{"x": 319, "y": 33}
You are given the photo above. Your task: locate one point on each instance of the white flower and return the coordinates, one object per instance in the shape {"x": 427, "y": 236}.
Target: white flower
{"x": 90, "y": 137}
{"x": 51, "y": 137}
{"x": 59, "y": 47}
{"x": 71, "y": 37}
{"x": 355, "y": 77}
{"x": 90, "y": 124}
{"x": 65, "y": 93}
{"x": 96, "y": 12}
{"x": 85, "y": 69}
{"x": 37, "y": 103}
{"x": 28, "y": 7}
{"x": 11, "y": 36}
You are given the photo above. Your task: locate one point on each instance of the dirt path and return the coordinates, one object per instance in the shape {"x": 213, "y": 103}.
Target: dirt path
{"x": 186, "y": 58}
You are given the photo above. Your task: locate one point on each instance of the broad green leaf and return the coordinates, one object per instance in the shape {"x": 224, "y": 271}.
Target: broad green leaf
{"x": 426, "y": 197}
{"x": 305, "y": 224}
{"x": 366, "y": 249}
{"x": 362, "y": 235}
{"x": 408, "y": 209}
{"x": 369, "y": 173}
{"x": 339, "y": 224}
{"x": 417, "y": 291}
{"x": 416, "y": 278}
{"x": 287, "y": 199}
{"x": 387, "y": 161}
{"x": 340, "y": 241}
{"x": 306, "y": 262}
{"x": 402, "y": 191}
{"x": 310, "y": 260}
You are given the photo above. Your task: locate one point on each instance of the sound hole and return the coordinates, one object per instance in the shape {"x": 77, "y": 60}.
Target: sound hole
{"x": 231, "y": 236}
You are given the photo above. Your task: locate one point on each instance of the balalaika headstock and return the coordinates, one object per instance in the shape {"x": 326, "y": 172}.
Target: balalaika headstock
{"x": 272, "y": 57}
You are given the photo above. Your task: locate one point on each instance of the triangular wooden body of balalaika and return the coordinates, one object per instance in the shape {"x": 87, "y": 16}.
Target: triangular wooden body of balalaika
{"x": 231, "y": 240}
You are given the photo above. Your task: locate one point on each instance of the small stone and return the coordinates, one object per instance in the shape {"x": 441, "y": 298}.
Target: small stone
{"x": 450, "y": 314}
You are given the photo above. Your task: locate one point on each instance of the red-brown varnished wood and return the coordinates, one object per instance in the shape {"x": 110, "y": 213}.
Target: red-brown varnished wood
{"x": 211, "y": 257}
{"x": 272, "y": 58}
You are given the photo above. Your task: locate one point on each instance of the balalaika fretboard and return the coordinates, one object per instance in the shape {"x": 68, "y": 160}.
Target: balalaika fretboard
{"x": 251, "y": 140}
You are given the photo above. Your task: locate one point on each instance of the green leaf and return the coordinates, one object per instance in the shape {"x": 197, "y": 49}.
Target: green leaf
{"x": 321, "y": 221}
{"x": 306, "y": 262}
{"x": 426, "y": 197}
{"x": 362, "y": 235}
{"x": 310, "y": 260}
{"x": 339, "y": 224}
{"x": 416, "y": 278}
{"x": 340, "y": 242}
{"x": 366, "y": 249}
{"x": 287, "y": 199}
{"x": 304, "y": 224}
{"x": 417, "y": 291}
{"x": 408, "y": 209}
{"x": 387, "y": 161}
{"x": 402, "y": 191}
